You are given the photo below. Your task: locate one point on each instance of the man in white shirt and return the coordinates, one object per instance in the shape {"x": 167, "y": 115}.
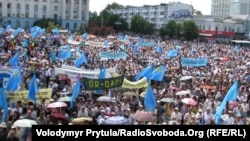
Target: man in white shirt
{"x": 230, "y": 119}
{"x": 177, "y": 115}
{"x": 83, "y": 112}
{"x": 208, "y": 116}
{"x": 245, "y": 107}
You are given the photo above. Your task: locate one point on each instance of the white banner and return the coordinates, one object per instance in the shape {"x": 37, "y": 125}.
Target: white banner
{"x": 73, "y": 71}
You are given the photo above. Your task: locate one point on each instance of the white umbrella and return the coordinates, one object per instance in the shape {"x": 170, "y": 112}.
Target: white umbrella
{"x": 64, "y": 99}
{"x": 183, "y": 92}
{"x": 186, "y": 78}
{"x": 116, "y": 120}
{"x": 57, "y": 105}
{"x": 167, "y": 100}
{"x": 24, "y": 123}
{"x": 104, "y": 99}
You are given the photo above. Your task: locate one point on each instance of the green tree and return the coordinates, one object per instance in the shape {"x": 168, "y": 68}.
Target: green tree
{"x": 169, "y": 29}
{"x": 197, "y": 12}
{"x": 52, "y": 25}
{"x": 190, "y": 30}
{"x": 140, "y": 25}
{"x": 179, "y": 30}
{"x": 48, "y": 24}
{"x": 44, "y": 23}
{"x": 81, "y": 29}
{"x": 114, "y": 5}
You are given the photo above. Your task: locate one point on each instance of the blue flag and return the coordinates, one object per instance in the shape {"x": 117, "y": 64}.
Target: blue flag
{"x": 102, "y": 74}
{"x": 52, "y": 56}
{"x": 71, "y": 38}
{"x": 105, "y": 43}
{"x": 25, "y": 43}
{"x": 80, "y": 60}
{"x": 149, "y": 101}
{"x": 85, "y": 35}
{"x": 14, "y": 61}
{"x": 172, "y": 53}
{"x": 76, "y": 92}
{"x": 231, "y": 95}
{"x": 192, "y": 50}
{"x": 55, "y": 31}
{"x": 236, "y": 49}
{"x": 33, "y": 88}
{"x": 158, "y": 73}
{"x": 137, "y": 47}
{"x": 3, "y": 104}
{"x": 15, "y": 80}
{"x": 159, "y": 49}
{"x": 65, "y": 53}
{"x": 146, "y": 72}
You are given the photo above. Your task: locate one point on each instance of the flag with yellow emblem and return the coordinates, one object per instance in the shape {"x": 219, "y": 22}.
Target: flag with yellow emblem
{"x": 158, "y": 73}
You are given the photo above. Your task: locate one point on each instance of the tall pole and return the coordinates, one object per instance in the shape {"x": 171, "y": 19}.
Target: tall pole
{"x": 102, "y": 19}
{"x": 139, "y": 62}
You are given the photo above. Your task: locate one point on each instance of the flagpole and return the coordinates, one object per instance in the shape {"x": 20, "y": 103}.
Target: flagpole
{"x": 139, "y": 62}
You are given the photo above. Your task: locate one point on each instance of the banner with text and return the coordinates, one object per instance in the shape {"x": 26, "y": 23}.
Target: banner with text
{"x": 112, "y": 55}
{"x": 194, "y": 62}
{"x": 72, "y": 72}
{"x": 23, "y": 96}
{"x": 142, "y": 83}
{"x": 102, "y": 84}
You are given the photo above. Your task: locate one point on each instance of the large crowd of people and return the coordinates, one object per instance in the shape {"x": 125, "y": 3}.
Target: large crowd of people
{"x": 206, "y": 85}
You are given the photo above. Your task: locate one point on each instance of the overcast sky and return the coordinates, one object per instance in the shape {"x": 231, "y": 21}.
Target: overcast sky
{"x": 203, "y": 5}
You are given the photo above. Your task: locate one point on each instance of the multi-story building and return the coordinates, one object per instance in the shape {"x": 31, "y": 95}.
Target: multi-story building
{"x": 214, "y": 28}
{"x": 220, "y": 8}
{"x": 23, "y": 13}
{"x": 156, "y": 14}
{"x": 230, "y": 8}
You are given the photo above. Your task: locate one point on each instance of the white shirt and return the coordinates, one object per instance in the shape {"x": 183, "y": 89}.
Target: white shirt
{"x": 208, "y": 118}
{"x": 245, "y": 107}
{"x": 178, "y": 116}
{"x": 229, "y": 120}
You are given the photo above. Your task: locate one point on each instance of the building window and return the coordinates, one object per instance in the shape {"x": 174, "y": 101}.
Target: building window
{"x": 67, "y": 1}
{"x": 216, "y": 28}
{"x": 44, "y": 16}
{"x": 44, "y": 9}
{"x": 27, "y": 24}
{"x": 8, "y": 22}
{"x": 75, "y": 26}
{"x": 0, "y": 9}
{"x": 18, "y": 23}
{"x": 238, "y": 30}
{"x": 55, "y": 8}
{"x": 36, "y": 0}
{"x": 36, "y": 9}
{"x": 67, "y": 25}
{"x": 9, "y": 9}
{"x": 18, "y": 8}
{"x": 44, "y": 0}
{"x": 55, "y": 1}
{"x": 225, "y": 29}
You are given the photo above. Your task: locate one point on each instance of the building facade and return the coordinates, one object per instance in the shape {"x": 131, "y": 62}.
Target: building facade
{"x": 214, "y": 28}
{"x": 23, "y": 13}
{"x": 156, "y": 14}
{"x": 230, "y": 8}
